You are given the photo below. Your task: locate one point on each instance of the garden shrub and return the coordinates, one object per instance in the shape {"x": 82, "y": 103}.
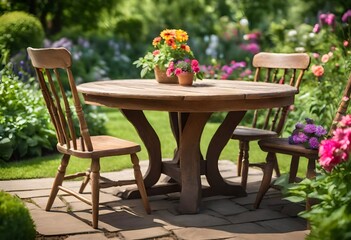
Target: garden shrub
{"x": 19, "y": 30}
{"x": 15, "y": 219}
{"x": 25, "y": 126}
{"x": 24, "y": 123}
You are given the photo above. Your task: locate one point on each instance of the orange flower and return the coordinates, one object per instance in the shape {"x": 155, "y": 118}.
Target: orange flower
{"x": 185, "y": 47}
{"x": 168, "y": 34}
{"x": 317, "y": 70}
{"x": 156, "y": 41}
{"x": 170, "y": 42}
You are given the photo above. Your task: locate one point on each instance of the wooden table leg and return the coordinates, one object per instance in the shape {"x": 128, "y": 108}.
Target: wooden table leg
{"x": 190, "y": 195}
{"x": 218, "y": 142}
{"x": 153, "y": 146}
{"x": 151, "y": 142}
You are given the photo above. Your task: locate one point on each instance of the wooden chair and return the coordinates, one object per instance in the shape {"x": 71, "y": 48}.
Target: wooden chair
{"x": 50, "y": 64}
{"x": 277, "y": 68}
{"x": 282, "y": 146}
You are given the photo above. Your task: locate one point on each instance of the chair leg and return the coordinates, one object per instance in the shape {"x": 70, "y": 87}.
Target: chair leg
{"x": 276, "y": 169}
{"x": 294, "y": 165}
{"x": 240, "y": 158}
{"x": 245, "y": 166}
{"x": 95, "y": 176}
{"x": 140, "y": 182}
{"x": 85, "y": 181}
{"x": 311, "y": 168}
{"x": 58, "y": 180}
{"x": 271, "y": 159}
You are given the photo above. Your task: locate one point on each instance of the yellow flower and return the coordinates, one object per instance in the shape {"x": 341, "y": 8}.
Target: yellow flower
{"x": 181, "y": 35}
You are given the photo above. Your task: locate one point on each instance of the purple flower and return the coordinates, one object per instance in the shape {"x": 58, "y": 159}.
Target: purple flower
{"x": 291, "y": 140}
{"x": 299, "y": 125}
{"x": 320, "y": 131}
{"x": 307, "y": 134}
{"x": 309, "y": 120}
{"x": 346, "y": 16}
{"x": 313, "y": 143}
{"x": 310, "y": 128}
{"x": 300, "y": 138}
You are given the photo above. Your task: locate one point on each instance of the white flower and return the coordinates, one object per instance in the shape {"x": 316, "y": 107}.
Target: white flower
{"x": 300, "y": 49}
{"x": 244, "y": 22}
{"x": 312, "y": 35}
{"x": 292, "y": 33}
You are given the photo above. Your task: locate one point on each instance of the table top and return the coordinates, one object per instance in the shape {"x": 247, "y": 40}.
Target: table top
{"x": 204, "y": 96}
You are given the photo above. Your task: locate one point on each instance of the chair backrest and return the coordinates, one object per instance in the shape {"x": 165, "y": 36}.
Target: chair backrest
{"x": 280, "y": 68}
{"x": 51, "y": 64}
{"x": 343, "y": 105}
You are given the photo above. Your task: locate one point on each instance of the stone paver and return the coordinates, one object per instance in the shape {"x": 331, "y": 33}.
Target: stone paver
{"x": 225, "y": 207}
{"x": 148, "y": 233}
{"x": 220, "y": 217}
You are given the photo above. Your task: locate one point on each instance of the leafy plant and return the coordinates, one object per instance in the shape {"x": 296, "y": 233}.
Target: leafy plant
{"x": 15, "y": 219}
{"x": 171, "y": 45}
{"x": 24, "y": 123}
{"x": 330, "y": 217}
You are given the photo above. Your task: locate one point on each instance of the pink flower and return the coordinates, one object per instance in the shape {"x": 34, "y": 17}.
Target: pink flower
{"x": 178, "y": 71}
{"x": 325, "y": 58}
{"x": 316, "y": 28}
{"x": 317, "y": 70}
{"x": 346, "y": 120}
{"x": 195, "y": 69}
{"x": 345, "y": 43}
{"x": 322, "y": 18}
{"x": 346, "y": 16}
{"x": 343, "y": 136}
{"x": 251, "y": 47}
{"x": 330, "y": 154}
{"x": 194, "y": 63}
{"x": 330, "y": 19}
{"x": 316, "y": 55}
{"x": 245, "y": 73}
{"x": 156, "y": 52}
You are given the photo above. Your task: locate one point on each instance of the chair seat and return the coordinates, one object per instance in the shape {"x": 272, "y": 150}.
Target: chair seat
{"x": 251, "y": 134}
{"x": 282, "y": 145}
{"x": 104, "y": 146}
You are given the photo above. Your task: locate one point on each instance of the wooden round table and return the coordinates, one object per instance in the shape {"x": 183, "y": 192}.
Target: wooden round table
{"x": 189, "y": 109}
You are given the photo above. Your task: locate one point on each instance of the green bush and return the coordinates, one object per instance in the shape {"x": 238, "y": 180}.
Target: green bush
{"x": 19, "y": 30}
{"x": 15, "y": 220}
{"x": 25, "y": 128}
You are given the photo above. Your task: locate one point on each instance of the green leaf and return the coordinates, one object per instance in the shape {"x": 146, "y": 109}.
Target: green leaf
{"x": 6, "y": 149}
{"x": 143, "y": 72}
{"x": 295, "y": 199}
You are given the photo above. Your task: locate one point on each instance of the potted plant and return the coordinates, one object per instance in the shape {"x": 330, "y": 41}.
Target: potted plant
{"x": 170, "y": 45}
{"x": 186, "y": 70}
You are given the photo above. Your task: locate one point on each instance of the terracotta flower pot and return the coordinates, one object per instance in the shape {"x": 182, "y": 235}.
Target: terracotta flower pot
{"x": 186, "y": 78}
{"x": 162, "y": 77}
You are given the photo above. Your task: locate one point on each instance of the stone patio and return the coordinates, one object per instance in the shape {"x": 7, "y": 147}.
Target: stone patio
{"x": 220, "y": 217}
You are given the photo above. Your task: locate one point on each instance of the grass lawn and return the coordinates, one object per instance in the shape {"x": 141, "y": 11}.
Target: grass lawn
{"x": 120, "y": 127}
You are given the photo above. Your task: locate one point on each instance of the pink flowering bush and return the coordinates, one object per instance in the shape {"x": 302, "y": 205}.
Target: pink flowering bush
{"x": 330, "y": 217}
{"x": 336, "y": 150}
{"x": 235, "y": 70}
{"x": 328, "y": 41}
